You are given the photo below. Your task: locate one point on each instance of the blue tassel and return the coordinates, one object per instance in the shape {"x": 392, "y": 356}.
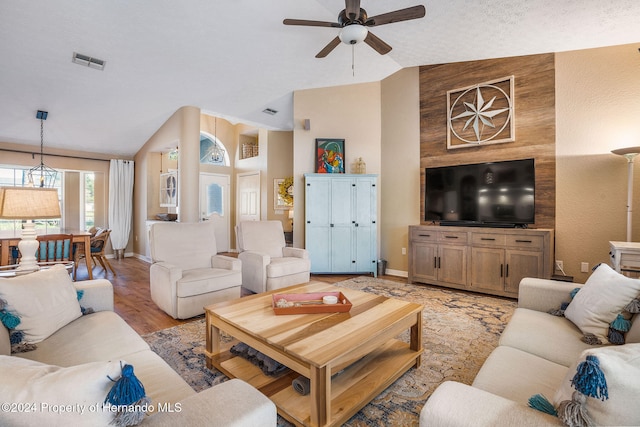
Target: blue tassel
{"x": 589, "y": 379}
{"x": 16, "y": 337}
{"x": 574, "y": 292}
{"x": 615, "y": 337}
{"x": 80, "y": 294}
{"x": 127, "y": 390}
{"x": 541, "y": 403}
{"x": 621, "y": 324}
{"x": 9, "y": 320}
{"x": 128, "y": 395}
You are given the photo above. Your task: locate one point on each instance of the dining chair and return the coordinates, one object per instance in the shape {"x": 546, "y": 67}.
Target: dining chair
{"x": 55, "y": 249}
{"x": 98, "y": 246}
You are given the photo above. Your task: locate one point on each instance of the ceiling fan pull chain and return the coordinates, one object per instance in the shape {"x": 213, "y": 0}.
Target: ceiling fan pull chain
{"x": 353, "y": 60}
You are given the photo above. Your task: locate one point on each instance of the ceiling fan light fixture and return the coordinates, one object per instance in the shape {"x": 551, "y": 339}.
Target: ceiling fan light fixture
{"x": 353, "y": 34}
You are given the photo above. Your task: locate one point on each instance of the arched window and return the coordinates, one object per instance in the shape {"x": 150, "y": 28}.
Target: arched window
{"x": 212, "y": 151}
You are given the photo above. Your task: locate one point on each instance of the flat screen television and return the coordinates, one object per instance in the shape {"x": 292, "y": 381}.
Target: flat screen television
{"x": 496, "y": 194}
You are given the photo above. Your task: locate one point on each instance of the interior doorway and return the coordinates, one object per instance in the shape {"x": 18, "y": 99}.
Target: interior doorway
{"x": 214, "y": 206}
{"x": 248, "y": 202}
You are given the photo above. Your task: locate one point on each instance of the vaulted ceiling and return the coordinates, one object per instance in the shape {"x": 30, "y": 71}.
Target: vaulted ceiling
{"x": 235, "y": 58}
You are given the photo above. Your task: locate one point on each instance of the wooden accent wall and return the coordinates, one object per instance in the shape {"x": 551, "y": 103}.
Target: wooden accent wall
{"x": 535, "y": 129}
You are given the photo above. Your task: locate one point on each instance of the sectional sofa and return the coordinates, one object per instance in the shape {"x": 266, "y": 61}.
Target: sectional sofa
{"x": 65, "y": 379}
{"x": 540, "y": 353}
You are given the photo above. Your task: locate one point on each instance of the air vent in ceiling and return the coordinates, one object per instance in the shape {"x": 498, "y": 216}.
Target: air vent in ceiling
{"x": 270, "y": 111}
{"x": 88, "y": 61}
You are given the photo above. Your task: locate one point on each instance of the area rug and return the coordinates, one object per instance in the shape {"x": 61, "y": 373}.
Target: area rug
{"x": 460, "y": 329}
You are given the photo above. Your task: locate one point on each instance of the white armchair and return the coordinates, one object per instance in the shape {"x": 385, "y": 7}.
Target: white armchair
{"x": 187, "y": 274}
{"x": 267, "y": 263}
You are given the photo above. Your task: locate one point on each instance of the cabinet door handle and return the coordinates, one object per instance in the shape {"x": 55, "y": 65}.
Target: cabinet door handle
{"x": 439, "y": 262}
{"x": 435, "y": 262}
{"x": 357, "y": 225}
{"x": 424, "y": 235}
{"x": 331, "y": 225}
{"x": 450, "y": 237}
{"x": 523, "y": 241}
{"x": 501, "y": 270}
{"x": 507, "y": 273}
{"x": 488, "y": 238}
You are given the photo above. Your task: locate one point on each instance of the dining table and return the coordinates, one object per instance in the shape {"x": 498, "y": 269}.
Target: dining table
{"x": 11, "y": 238}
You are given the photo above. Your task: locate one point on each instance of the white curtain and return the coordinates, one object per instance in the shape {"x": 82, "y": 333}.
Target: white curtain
{"x": 120, "y": 202}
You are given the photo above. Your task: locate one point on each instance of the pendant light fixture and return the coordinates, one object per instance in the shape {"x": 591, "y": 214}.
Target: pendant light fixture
{"x": 42, "y": 175}
{"x": 217, "y": 154}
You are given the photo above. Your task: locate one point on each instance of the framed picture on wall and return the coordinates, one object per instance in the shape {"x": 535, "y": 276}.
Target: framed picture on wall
{"x": 283, "y": 193}
{"x": 329, "y": 155}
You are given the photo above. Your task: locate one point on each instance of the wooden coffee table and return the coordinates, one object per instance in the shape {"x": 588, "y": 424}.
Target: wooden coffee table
{"x": 349, "y": 358}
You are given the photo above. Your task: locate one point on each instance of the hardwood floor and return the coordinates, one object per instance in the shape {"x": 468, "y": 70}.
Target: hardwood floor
{"x": 132, "y": 298}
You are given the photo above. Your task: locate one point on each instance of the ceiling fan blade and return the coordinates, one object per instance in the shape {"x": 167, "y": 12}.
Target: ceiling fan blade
{"x": 308, "y": 23}
{"x": 352, "y": 9}
{"x": 328, "y": 48}
{"x": 377, "y": 44}
{"x": 407, "y": 14}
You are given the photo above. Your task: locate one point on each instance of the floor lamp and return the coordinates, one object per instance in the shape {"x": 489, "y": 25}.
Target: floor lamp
{"x": 28, "y": 203}
{"x": 630, "y": 154}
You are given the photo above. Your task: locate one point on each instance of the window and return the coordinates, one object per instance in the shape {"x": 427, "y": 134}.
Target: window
{"x": 87, "y": 203}
{"x": 17, "y": 177}
{"x": 212, "y": 151}
{"x": 214, "y": 200}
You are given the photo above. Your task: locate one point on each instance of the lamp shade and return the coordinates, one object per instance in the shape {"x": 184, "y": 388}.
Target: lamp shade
{"x": 627, "y": 151}
{"x": 29, "y": 203}
{"x": 354, "y": 33}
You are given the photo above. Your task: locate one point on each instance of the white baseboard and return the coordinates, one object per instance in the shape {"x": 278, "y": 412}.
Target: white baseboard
{"x": 142, "y": 257}
{"x": 398, "y": 273}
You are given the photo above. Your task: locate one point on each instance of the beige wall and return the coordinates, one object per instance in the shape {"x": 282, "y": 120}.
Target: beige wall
{"x": 400, "y": 166}
{"x": 146, "y": 185}
{"x": 597, "y": 110}
{"x": 279, "y": 165}
{"x": 350, "y": 112}
{"x": 274, "y": 161}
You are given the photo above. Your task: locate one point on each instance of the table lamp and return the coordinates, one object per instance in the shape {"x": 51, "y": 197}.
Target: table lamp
{"x": 27, "y": 203}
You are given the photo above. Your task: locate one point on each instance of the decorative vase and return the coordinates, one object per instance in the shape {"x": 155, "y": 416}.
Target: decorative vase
{"x": 361, "y": 166}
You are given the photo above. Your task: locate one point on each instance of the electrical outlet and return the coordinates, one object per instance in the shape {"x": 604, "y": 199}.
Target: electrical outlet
{"x": 559, "y": 265}
{"x": 404, "y": 251}
{"x": 584, "y": 267}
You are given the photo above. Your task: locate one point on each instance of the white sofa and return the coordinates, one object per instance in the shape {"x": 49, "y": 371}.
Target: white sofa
{"x": 187, "y": 274}
{"x": 104, "y": 336}
{"x": 536, "y": 353}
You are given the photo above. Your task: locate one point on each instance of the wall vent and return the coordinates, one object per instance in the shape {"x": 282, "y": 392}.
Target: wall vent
{"x": 270, "y": 111}
{"x": 88, "y": 61}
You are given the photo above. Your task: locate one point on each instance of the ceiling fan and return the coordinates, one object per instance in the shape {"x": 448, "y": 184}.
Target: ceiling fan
{"x": 354, "y": 21}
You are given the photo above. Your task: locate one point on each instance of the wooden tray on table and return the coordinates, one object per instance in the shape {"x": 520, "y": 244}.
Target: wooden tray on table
{"x": 310, "y": 303}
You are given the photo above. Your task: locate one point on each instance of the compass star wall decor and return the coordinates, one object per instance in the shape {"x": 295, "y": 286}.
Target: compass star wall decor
{"x": 481, "y": 114}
